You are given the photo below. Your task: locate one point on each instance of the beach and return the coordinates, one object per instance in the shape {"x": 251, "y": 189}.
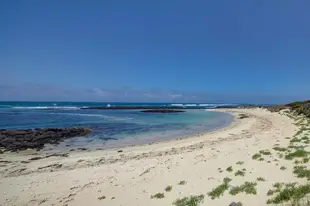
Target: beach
{"x": 134, "y": 175}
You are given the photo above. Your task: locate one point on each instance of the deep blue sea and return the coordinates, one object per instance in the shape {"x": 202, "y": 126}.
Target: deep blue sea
{"x": 111, "y": 128}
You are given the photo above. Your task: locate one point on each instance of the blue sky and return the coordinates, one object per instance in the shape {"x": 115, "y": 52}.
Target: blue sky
{"x": 172, "y": 50}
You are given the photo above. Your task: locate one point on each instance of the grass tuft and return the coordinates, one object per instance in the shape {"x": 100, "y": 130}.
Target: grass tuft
{"x": 290, "y": 193}
{"x": 168, "y": 188}
{"x": 158, "y": 196}
{"x": 256, "y": 156}
{"x": 261, "y": 179}
{"x": 247, "y": 187}
{"x": 301, "y": 171}
{"x": 189, "y": 201}
{"x": 219, "y": 190}
{"x": 282, "y": 168}
{"x": 229, "y": 169}
{"x": 101, "y": 198}
{"x": 280, "y": 149}
{"x": 297, "y": 153}
{"x": 239, "y": 173}
{"x": 270, "y": 192}
{"x": 265, "y": 152}
{"x": 183, "y": 182}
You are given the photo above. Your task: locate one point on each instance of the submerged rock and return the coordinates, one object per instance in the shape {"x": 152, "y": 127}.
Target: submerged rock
{"x": 14, "y": 140}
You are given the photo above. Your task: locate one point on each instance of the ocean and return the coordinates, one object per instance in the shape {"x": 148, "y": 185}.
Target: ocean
{"x": 111, "y": 128}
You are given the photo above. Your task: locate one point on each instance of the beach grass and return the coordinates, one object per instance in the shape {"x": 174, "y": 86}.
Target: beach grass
{"x": 219, "y": 190}
{"x": 182, "y": 182}
{"x": 158, "y": 196}
{"x": 296, "y": 154}
{"x": 189, "y": 201}
{"x": 168, "y": 188}
{"x": 229, "y": 169}
{"x": 101, "y": 198}
{"x": 301, "y": 172}
{"x": 256, "y": 156}
{"x": 247, "y": 187}
{"x": 265, "y": 152}
{"x": 290, "y": 192}
{"x": 261, "y": 179}
{"x": 239, "y": 173}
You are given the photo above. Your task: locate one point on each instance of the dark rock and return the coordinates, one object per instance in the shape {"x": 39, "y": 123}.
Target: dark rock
{"x": 131, "y": 107}
{"x": 120, "y": 151}
{"x": 162, "y": 111}
{"x": 82, "y": 149}
{"x": 35, "y": 158}
{"x": 15, "y": 140}
{"x": 243, "y": 116}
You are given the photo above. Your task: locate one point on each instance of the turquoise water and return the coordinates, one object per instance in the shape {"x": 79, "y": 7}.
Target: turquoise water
{"x": 111, "y": 128}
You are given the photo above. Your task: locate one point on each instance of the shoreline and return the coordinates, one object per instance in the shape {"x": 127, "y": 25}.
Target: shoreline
{"x": 137, "y": 172}
{"x": 234, "y": 122}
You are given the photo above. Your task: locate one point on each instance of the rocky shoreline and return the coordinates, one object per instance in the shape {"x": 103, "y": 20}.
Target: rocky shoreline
{"x": 16, "y": 140}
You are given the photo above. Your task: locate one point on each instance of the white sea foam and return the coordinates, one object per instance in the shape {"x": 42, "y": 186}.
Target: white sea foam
{"x": 190, "y": 105}
{"x": 177, "y": 105}
{"x": 45, "y": 107}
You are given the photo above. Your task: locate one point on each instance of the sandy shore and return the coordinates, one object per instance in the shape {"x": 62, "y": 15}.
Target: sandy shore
{"x": 130, "y": 176}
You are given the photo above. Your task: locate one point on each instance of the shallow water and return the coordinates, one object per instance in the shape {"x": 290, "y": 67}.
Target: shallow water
{"x": 112, "y": 128}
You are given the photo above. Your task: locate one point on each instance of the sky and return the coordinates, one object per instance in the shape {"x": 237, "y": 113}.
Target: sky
{"x": 155, "y": 51}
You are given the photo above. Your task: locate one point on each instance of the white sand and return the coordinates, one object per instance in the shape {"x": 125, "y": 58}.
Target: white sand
{"x": 132, "y": 176}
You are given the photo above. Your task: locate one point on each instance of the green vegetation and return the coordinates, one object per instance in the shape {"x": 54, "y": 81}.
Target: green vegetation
{"x": 290, "y": 192}
{"x": 247, "y": 187}
{"x": 282, "y": 168}
{"x": 219, "y": 190}
{"x": 301, "y": 171}
{"x": 158, "y": 196}
{"x": 256, "y": 156}
{"x": 270, "y": 192}
{"x": 297, "y": 162}
{"x": 261, "y": 179}
{"x": 295, "y": 139}
{"x": 280, "y": 149}
{"x": 229, "y": 169}
{"x": 168, "y": 188}
{"x": 305, "y": 160}
{"x": 189, "y": 201}
{"x": 297, "y": 153}
{"x": 183, "y": 182}
{"x": 265, "y": 152}
{"x": 240, "y": 163}
{"x": 239, "y": 173}
{"x": 299, "y": 108}
{"x": 261, "y": 159}
{"x": 101, "y": 198}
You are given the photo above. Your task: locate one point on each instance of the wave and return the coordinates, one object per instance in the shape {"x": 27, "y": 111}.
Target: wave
{"x": 46, "y": 107}
{"x": 201, "y": 105}
{"x": 107, "y": 117}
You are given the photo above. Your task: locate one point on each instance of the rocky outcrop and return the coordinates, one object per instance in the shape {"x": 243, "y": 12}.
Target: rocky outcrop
{"x": 14, "y": 140}
{"x": 131, "y": 107}
{"x": 162, "y": 111}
